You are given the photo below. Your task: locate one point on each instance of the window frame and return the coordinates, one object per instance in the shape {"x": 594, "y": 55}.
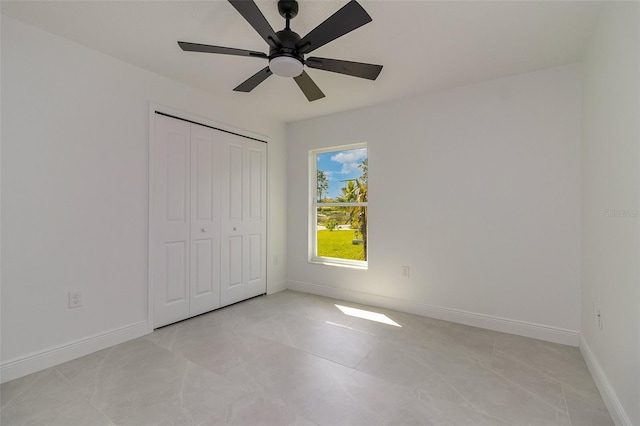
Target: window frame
{"x": 314, "y": 205}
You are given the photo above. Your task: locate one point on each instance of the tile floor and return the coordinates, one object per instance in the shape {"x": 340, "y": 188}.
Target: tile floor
{"x": 293, "y": 358}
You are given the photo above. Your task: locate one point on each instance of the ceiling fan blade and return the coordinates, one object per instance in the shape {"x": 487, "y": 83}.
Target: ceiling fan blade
{"x": 345, "y": 20}
{"x": 205, "y": 48}
{"x": 308, "y": 87}
{"x": 254, "y": 80}
{"x": 249, "y": 11}
{"x": 355, "y": 69}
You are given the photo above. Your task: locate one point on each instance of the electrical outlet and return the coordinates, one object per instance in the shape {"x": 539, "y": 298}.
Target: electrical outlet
{"x": 405, "y": 272}
{"x": 75, "y": 299}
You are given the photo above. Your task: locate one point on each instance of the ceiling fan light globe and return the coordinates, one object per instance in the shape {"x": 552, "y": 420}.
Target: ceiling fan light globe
{"x": 285, "y": 66}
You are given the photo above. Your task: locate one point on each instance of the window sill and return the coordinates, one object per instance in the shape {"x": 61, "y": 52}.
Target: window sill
{"x": 339, "y": 264}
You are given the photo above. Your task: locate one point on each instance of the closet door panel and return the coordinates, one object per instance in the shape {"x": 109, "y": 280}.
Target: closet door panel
{"x": 169, "y": 253}
{"x": 205, "y": 221}
{"x": 232, "y": 273}
{"x": 256, "y": 181}
{"x": 256, "y": 257}
{"x": 202, "y": 279}
{"x": 176, "y": 275}
{"x": 177, "y": 176}
{"x": 203, "y": 166}
{"x": 255, "y": 212}
{"x": 244, "y": 223}
{"x": 234, "y": 259}
{"x": 235, "y": 183}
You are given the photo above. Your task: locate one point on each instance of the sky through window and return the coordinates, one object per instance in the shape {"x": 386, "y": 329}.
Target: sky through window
{"x": 339, "y": 167}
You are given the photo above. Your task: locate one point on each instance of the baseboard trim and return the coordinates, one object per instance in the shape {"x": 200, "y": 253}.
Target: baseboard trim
{"x": 506, "y": 325}
{"x": 37, "y": 361}
{"x": 609, "y": 396}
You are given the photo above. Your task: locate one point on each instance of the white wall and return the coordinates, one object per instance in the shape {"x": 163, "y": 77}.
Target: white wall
{"x": 477, "y": 189}
{"x": 74, "y": 196}
{"x": 611, "y": 209}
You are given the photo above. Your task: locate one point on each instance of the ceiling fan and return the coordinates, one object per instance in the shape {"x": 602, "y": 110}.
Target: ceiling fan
{"x": 287, "y": 49}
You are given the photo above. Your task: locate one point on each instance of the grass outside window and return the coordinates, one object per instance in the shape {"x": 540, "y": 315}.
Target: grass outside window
{"x": 339, "y": 244}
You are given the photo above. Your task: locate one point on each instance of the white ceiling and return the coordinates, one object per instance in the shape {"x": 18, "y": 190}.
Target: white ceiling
{"x": 424, "y": 46}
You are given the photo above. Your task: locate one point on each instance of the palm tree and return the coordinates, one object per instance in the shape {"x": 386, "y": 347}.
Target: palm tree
{"x": 356, "y": 191}
{"x": 359, "y": 214}
{"x": 322, "y": 183}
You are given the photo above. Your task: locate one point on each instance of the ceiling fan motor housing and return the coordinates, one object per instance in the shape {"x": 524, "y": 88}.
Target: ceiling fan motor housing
{"x": 288, "y": 39}
{"x": 285, "y": 60}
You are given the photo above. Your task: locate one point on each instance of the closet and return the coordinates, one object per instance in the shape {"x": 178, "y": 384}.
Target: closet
{"x": 207, "y": 245}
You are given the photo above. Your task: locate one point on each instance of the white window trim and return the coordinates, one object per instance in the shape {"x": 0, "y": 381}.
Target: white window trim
{"x": 314, "y": 204}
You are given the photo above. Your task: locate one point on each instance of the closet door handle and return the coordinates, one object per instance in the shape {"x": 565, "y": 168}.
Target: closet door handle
{"x": 204, "y": 230}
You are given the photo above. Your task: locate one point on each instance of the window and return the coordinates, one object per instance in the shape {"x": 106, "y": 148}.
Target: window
{"x": 338, "y": 209}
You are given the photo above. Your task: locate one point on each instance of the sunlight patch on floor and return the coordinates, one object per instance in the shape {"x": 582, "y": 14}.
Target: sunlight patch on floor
{"x": 368, "y": 315}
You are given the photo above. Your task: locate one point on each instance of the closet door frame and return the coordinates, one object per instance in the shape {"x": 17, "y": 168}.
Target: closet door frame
{"x": 196, "y": 119}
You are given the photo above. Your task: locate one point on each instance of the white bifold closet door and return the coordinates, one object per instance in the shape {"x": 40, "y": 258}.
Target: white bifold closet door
{"x": 193, "y": 187}
{"x": 243, "y": 219}
{"x": 204, "y": 280}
